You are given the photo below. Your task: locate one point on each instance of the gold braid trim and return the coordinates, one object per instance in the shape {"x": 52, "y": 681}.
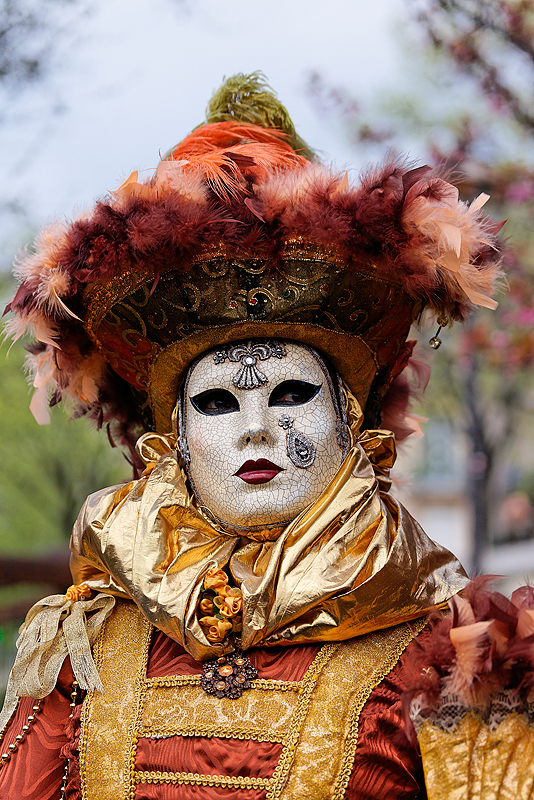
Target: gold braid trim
{"x": 267, "y": 684}
{"x": 210, "y": 731}
{"x": 203, "y": 780}
{"x": 98, "y": 656}
{"x": 286, "y": 759}
{"x": 173, "y": 680}
{"x": 111, "y": 720}
{"x": 406, "y": 634}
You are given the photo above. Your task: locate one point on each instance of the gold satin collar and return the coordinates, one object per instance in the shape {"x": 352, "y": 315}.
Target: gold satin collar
{"x": 353, "y": 562}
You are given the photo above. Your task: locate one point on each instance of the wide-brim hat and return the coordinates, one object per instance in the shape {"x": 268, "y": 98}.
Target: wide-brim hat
{"x": 240, "y": 233}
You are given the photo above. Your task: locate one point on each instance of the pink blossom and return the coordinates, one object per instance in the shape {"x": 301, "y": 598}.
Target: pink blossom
{"x": 520, "y": 192}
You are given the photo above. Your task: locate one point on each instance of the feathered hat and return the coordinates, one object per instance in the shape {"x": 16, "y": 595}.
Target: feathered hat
{"x": 242, "y": 233}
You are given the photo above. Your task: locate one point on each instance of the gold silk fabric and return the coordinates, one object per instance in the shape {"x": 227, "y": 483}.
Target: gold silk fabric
{"x": 353, "y": 562}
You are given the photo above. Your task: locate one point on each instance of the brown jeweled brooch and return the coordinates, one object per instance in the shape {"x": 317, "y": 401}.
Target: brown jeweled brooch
{"x": 228, "y": 676}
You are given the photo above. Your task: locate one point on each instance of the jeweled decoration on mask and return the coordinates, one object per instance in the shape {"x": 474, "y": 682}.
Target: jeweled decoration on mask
{"x": 228, "y": 676}
{"x": 300, "y": 449}
{"x": 249, "y": 376}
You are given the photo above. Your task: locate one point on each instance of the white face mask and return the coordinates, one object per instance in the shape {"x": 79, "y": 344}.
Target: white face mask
{"x": 261, "y": 430}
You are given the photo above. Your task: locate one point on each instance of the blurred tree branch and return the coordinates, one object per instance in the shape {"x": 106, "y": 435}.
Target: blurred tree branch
{"x": 484, "y": 374}
{"x": 28, "y": 32}
{"x": 486, "y": 38}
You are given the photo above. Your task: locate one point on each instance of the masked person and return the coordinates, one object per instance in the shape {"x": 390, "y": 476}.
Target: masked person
{"x": 243, "y": 610}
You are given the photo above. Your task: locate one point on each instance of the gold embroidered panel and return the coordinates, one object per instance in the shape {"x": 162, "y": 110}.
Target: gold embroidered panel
{"x": 301, "y": 715}
{"x": 189, "y": 711}
{"x": 110, "y": 719}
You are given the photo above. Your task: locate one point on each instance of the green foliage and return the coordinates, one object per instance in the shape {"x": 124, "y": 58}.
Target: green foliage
{"x": 46, "y": 472}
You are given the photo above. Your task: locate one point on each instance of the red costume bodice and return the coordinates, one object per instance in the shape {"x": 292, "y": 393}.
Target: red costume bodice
{"x": 384, "y": 766}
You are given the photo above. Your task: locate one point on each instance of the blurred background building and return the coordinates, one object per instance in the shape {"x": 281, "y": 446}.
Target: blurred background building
{"x": 91, "y": 90}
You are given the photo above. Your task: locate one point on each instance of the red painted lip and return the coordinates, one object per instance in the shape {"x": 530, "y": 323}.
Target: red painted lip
{"x": 260, "y": 471}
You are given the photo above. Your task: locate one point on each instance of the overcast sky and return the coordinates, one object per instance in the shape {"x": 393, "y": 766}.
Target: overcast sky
{"x": 131, "y": 78}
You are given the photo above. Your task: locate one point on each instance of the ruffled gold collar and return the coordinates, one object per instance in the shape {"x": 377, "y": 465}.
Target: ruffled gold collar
{"x": 353, "y": 562}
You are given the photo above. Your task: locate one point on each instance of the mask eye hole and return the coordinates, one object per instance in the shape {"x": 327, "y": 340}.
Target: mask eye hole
{"x": 214, "y": 402}
{"x": 293, "y": 393}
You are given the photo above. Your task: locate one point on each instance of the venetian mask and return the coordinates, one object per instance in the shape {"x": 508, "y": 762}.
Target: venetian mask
{"x": 261, "y": 432}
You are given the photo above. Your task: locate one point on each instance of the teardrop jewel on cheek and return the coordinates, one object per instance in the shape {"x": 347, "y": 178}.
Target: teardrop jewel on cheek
{"x": 300, "y": 449}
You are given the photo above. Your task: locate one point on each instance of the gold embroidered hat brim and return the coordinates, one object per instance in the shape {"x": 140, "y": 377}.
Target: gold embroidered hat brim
{"x": 151, "y": 331}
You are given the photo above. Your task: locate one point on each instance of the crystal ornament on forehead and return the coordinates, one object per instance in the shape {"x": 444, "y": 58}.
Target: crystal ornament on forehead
{"x": 238, "y": 461}
{"x": 249, "y": 376}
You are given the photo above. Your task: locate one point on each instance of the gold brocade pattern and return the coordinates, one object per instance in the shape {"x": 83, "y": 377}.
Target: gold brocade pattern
{"x": 110, "y": 720}
{"x": 300, "y": 715}
{"x": 353, "y": 562}
{"x": 473, "y": 762}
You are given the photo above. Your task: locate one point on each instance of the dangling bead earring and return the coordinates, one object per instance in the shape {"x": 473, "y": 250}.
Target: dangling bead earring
{"x": 178, "y": 421}
{"x": 300, "y": 449}
{"x": 435, "y": 341}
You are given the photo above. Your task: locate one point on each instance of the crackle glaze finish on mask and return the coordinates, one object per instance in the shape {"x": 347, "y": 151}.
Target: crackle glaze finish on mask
{"x": 244, "y": 426}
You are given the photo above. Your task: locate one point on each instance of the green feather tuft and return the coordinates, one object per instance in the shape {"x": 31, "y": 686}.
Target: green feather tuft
{"x": 250, "y": 99}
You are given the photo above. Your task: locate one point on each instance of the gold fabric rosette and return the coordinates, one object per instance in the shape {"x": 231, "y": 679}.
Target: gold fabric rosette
{"x": 220, "y": 607}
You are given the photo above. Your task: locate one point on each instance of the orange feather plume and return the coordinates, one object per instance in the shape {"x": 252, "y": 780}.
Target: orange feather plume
{"x": 231, "y": 155}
